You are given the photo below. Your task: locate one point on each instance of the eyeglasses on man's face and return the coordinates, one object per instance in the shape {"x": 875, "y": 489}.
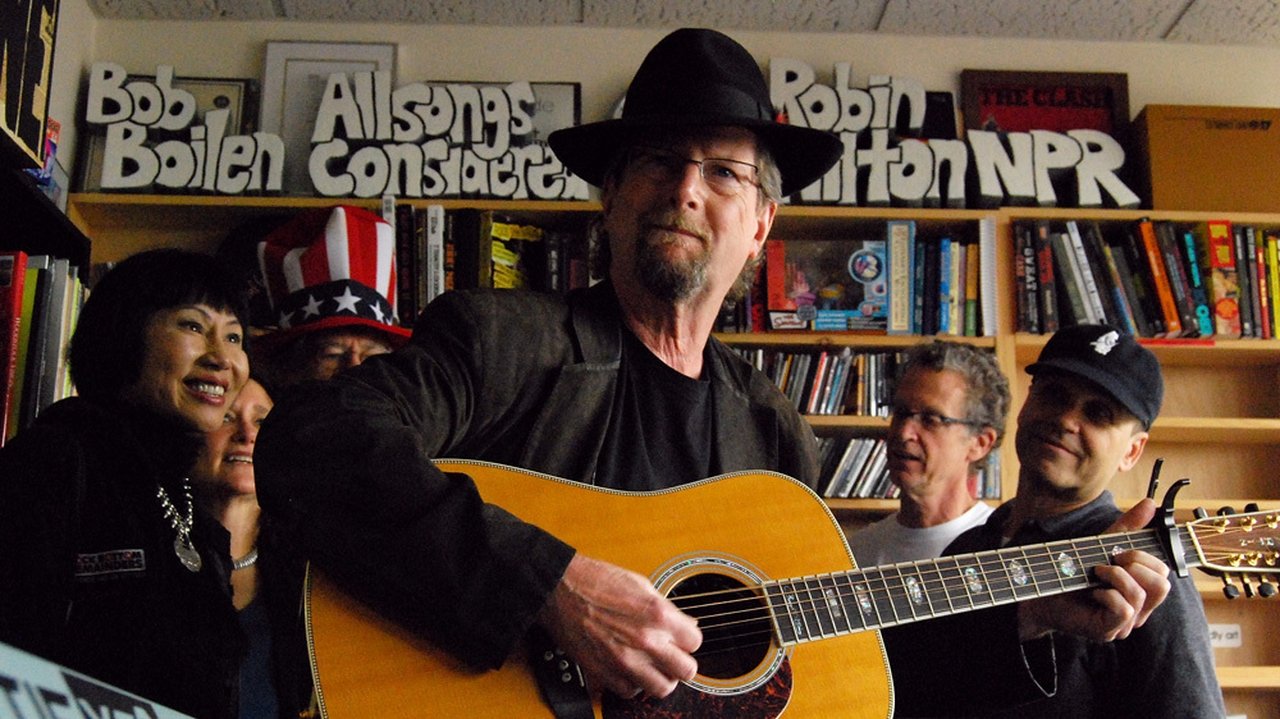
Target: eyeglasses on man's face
{"x": 724, "y": 176}
{"x": 929, "y": 420}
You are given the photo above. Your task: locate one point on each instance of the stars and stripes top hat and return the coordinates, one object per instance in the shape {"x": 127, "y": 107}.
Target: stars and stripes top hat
{"x": 330, "y": 268}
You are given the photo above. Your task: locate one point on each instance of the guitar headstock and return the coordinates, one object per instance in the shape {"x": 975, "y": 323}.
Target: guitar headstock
{"x": 1238, "y": 547}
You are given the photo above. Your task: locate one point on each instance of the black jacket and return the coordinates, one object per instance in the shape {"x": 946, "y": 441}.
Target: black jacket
{"x": 1163, "y": 669}
{"x": 88, "y": 575}
{"x": 513, "y": 377}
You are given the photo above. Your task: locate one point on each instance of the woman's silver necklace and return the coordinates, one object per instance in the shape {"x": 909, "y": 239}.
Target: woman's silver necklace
{"x": 182, "y": 545}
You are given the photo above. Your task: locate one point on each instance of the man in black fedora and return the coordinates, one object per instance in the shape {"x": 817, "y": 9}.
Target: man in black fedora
{"x": 619, "y": 386}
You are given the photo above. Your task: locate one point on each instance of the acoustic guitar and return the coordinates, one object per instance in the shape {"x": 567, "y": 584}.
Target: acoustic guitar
{"x": 788, "y": 620}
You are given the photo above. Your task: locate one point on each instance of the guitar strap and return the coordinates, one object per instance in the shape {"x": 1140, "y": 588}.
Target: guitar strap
{"x": 559, "y": 679}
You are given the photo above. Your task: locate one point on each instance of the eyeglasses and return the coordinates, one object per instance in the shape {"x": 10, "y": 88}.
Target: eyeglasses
{"x": 724, "y": 176}
{"x": 930, "y": 420}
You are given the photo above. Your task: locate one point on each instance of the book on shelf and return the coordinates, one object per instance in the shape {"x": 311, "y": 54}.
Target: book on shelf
{"x": 972, "y": 319}
{"x": 1160, "y": 279}
{"x": 987, "y": 271}
{"x": 959, "y": 253}
{"x": 1131, "y": 248}
{"x": 1168, "y": 239}
{"x": 931, "y": 288}
{"x": 34, "y": 338}
{"x": 1107, "y": 276}
{"x": 1262, "y": 303}
{"x": 1195, "y": 277}
{"x": 1072, "y": 291}
{"x": 873, "y": 467}
{"x": 1272, "y": 262}
{"x": 431, "y": 284}
{"x": 1240, "y": 234}
{"x": 1251, "y": 269}
{"x": 1042, "y": 241}
{"x": 1222, "y": 278}
{"x": 946, "y": 258}
{"x": 471, "y": 231}
{"x": 816, "y": 384}
{"x": 406, "y": 308}
{"x": 901, "y": 239}
{"x": 1086, "y": 280}
{"x": 13, "y": 275}
{"x": 1026, "y": 307}
{"x": 1134, "y": 308}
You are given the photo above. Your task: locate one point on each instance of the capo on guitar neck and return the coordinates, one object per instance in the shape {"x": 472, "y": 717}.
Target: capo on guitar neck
{"x": 1164, "y": 519}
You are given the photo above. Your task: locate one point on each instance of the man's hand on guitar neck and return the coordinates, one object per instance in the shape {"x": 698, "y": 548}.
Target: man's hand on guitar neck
{"x": 626, "y": 637}
{"x": 1137, "y": 583}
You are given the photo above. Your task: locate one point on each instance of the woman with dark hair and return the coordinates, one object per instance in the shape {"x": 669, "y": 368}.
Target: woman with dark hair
{"x": 108, "y": 566}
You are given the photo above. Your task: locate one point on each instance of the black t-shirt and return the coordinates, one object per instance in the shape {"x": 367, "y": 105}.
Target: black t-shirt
{"x": 662, "y": 426}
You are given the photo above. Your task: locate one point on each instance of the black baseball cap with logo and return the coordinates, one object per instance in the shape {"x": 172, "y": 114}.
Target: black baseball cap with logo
{"x": 1111, "y": 359}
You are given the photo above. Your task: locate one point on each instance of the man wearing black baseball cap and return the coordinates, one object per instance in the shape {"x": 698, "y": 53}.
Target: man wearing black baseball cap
{"x": 1094, "y": 394}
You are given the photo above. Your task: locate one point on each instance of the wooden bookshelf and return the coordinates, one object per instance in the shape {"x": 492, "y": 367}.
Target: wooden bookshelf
{"x": 1220, "y": 425}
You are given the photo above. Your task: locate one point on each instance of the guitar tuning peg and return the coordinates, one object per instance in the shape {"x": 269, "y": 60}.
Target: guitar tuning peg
{"x": 1224, "y": 511}
{"x": 1251, "y": 507}
{"x": 1200, "y": 512}
{"x": 1266, "y": 589}
{"x": 1229, "y": 588}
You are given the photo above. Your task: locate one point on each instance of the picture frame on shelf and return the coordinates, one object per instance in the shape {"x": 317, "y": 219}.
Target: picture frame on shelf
{"x": 293, "y": 82}
{"x": 28, "y": 58}
{"x": 240, "y": 96}
{"x": 1020, "y": 101}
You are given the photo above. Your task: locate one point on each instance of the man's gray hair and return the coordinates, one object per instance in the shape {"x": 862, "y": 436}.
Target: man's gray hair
{"x": 986, "y": 388}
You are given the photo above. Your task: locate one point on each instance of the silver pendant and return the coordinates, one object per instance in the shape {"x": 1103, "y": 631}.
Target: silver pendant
{"x": 188, "y": 555}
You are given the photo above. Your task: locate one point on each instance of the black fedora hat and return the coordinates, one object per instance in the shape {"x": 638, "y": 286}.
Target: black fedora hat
{"x": 698, "y": 77}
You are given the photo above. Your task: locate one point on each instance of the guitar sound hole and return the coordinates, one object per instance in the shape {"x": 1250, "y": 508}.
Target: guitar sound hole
{"x": 736, "y": 632}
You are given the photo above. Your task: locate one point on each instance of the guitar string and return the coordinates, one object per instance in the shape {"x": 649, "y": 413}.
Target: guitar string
{"x": 757, "y": 613}
{"x": 1039, "y": 563}
{"x": 721, "y": 642}
{"x": 762, "y": 613}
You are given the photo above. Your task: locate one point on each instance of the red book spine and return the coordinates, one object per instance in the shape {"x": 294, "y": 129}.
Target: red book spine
{"x": 13, "y": 272}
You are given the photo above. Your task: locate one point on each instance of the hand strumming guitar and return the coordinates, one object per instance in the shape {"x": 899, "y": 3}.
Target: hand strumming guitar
{"x": 1138, "y": 583}
{"x": 626, "y": 637}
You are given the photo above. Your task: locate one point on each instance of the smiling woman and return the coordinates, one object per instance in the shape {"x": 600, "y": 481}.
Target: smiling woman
{"x": 109, "y": 566}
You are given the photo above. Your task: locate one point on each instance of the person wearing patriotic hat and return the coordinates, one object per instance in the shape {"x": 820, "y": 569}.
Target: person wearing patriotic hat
{"x": 620, "y": 385}
{"x": 330, "y": 278}
{"x": 1094, "y": 395}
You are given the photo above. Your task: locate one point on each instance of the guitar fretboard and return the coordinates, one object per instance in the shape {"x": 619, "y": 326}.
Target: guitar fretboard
{"x": 829, "y": 605}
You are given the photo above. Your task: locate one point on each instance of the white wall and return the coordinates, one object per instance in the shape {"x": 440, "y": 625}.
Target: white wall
{"x": 603, "y": 59}
{"x": 72, "y": 55}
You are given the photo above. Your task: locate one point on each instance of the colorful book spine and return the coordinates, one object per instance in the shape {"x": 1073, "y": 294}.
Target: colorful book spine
{"x": 1160, "y": 279}
{"x": 13, "y": 275}
{"x": 1199, "y": 293}
{"x": 1224, "y": 284}
{"x": 945, "y": 260}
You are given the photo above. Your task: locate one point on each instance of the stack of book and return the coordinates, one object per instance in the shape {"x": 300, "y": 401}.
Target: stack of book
{"x": 439, "y": 250}
{"x": 1149, "y": 278}
{"x": 856, "y": 468}
{"x": 40, "y": 299}
{"x": 822, "y": 382}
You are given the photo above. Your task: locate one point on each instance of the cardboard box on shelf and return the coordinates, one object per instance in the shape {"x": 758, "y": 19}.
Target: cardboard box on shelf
{"x": 1192, "y": 157}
